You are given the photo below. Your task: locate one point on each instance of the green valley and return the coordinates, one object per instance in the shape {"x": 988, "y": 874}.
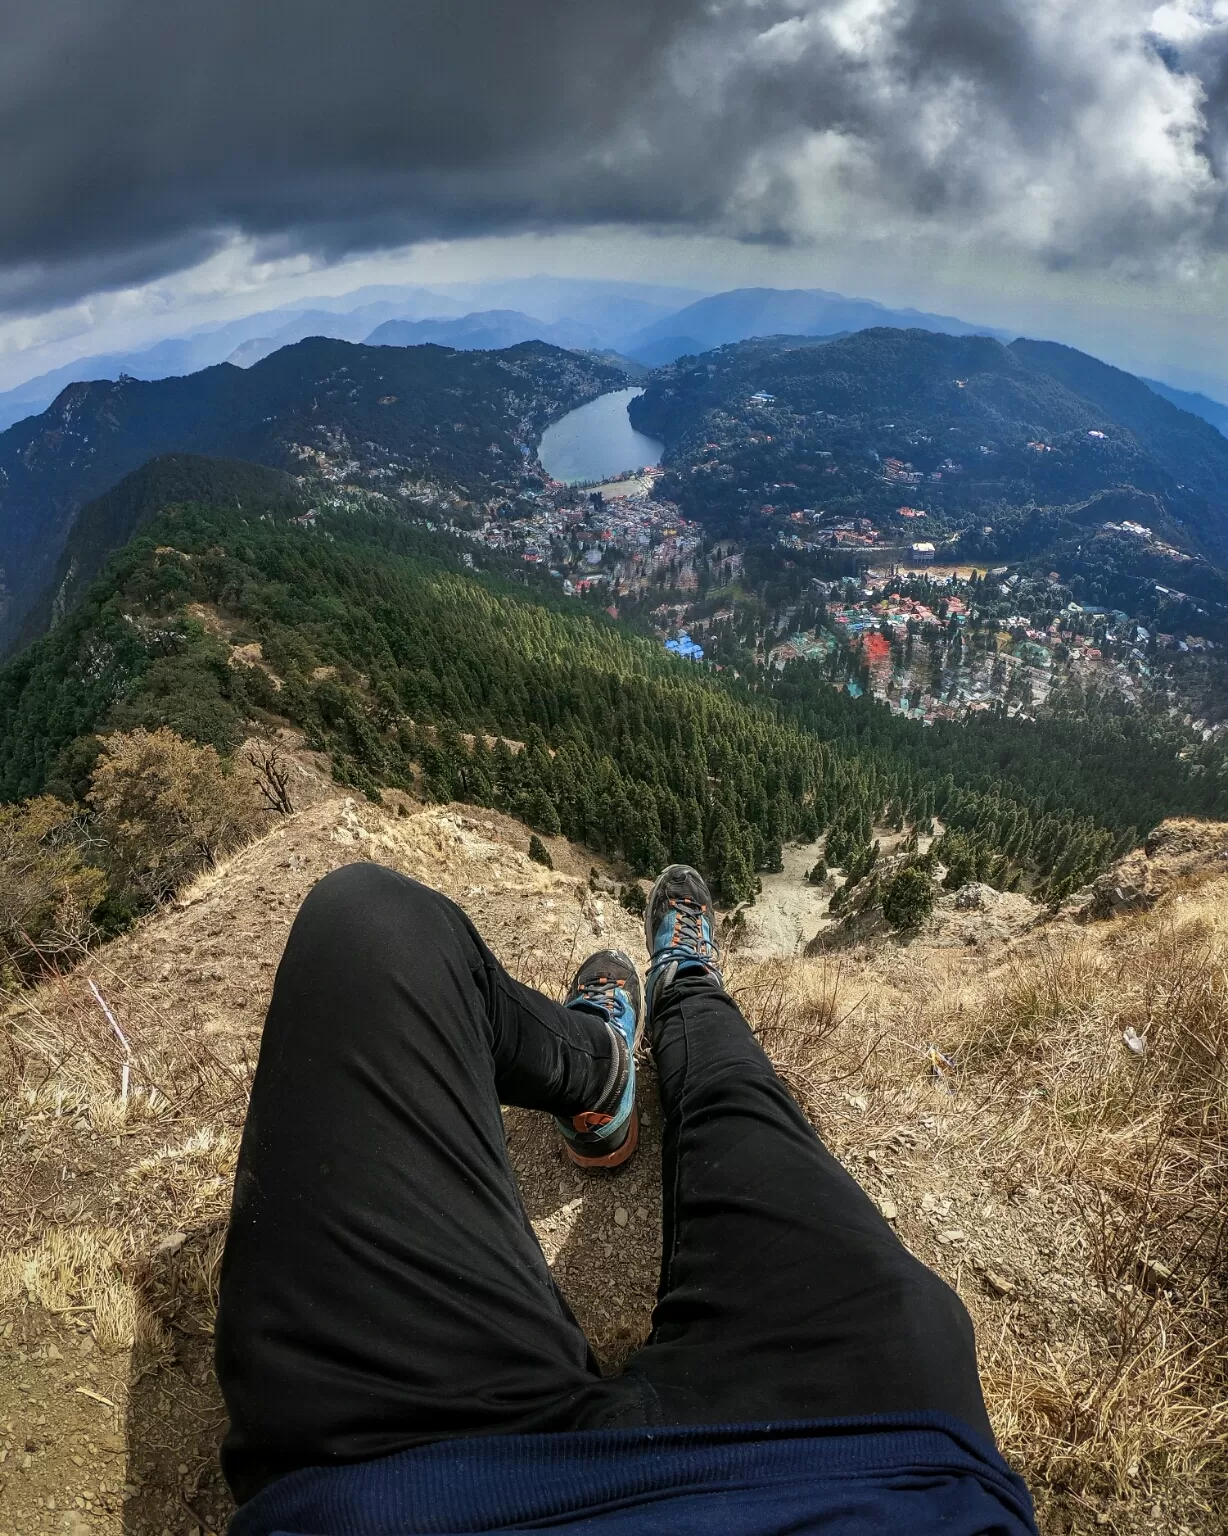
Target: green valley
{"x": 373, "y": 636}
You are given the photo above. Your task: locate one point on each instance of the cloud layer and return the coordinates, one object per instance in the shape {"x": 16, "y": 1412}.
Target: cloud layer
{"x": 139, "y": 134}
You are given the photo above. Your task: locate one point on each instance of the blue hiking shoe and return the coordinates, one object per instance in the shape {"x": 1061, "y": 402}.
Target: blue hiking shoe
{"x": 680, "y": 927}
{"x": 607, "y": 984}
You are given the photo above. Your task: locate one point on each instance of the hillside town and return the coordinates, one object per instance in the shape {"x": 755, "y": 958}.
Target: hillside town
{"x": 613, "y": 538}
{"x": 948, "y": 651}
{"x": 930, "y": 641}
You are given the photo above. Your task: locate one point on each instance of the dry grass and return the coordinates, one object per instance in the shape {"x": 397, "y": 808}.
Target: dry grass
{"x": 1137, "y": 1396}
{"x": 1106, "y": 1369}
{"x": 83, "y": 1270}
{"x": 93, "y": 1075}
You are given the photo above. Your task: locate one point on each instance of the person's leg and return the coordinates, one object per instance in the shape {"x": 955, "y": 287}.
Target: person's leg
{"x": 784, "y": 1292}
{"x": 381, "y": 1285}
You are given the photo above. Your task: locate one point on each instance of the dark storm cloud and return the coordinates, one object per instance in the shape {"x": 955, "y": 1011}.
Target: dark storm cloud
{"x": 138, "y": 133}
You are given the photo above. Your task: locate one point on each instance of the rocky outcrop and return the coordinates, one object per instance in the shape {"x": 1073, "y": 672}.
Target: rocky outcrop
{"x": 1177, "y": 852}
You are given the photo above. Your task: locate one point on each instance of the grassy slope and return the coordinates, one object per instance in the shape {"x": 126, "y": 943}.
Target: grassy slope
{"x": 1038, "y": 1179}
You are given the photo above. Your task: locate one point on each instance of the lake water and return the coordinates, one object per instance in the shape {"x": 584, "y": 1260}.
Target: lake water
{"x": 597, "y": 442}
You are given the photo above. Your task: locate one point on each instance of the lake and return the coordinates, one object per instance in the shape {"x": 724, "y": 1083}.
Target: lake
{"x": 597, "y": 442}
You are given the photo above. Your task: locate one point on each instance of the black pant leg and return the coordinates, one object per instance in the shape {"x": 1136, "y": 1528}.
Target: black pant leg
{"x": 784, "y": 1292}
{"x": 381, "y": 1285}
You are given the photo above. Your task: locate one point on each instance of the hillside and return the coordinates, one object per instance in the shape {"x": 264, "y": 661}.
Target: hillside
{"x": 107, "y": 523}
{"x": 382, "y": 642}
{"x": 1042, "y": 1166}
{"x": 427, "y": 421}
{"x": 980, "y": 436}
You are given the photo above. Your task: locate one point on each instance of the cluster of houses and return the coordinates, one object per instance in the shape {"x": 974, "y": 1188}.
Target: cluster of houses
{"x": 1012, "y": 662}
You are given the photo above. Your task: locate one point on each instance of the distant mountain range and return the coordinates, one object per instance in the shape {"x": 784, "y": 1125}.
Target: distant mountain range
{"x": 1198, "y": 405}
{"x": 644, "y": 324}
{"x": 488, "y": 330}
{"x": 242, "y": 341}
{"x": 592, "y": 315}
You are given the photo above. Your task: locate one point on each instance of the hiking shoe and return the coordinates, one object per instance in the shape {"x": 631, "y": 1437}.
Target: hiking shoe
{"x": 607, "y": 984}
{"x": 680, "y": 927}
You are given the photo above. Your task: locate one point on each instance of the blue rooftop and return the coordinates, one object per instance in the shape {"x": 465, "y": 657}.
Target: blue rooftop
{"x": 685, "y": 647}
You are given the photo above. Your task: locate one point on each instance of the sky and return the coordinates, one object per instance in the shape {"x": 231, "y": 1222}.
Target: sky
{"x": 1057, "y": 167}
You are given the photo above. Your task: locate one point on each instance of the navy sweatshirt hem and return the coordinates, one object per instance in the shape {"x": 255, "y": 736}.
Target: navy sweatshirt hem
{"x": 917, "y": 1472}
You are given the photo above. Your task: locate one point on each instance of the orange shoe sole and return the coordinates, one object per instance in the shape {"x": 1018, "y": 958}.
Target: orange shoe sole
{"x": 610, "y": 1159}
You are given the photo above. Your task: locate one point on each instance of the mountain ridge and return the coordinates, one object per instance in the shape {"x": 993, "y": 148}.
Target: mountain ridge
{"x": 386, "y": 415}
{"x": 604, "y": 313}
{"x": 109, "y": 521}
{"x": 1029, "y": 425}
{"x": 485, "y": 330}
{"x": 1214, "y": 411}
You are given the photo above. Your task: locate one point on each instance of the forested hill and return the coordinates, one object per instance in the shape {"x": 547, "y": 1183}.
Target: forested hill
{"x": 371, "y": 635}
{"x": 107, "y": 523}
{"x": 424, "y": 418}
{"x": 969, "y": 430}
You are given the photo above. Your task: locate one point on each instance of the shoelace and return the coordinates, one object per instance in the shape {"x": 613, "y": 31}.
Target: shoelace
{"x": 602, "y": 990}
{"x": 689, "y": 928}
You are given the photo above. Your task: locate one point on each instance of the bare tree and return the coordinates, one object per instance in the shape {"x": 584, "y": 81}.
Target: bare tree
{"x": 272, "y": 777}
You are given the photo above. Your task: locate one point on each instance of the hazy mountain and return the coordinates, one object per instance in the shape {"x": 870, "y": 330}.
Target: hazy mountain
{"x": 634, "y": 371}
{"x": 653, "y": 323}
{"x": 176, "y": 355}
{"x": 656, "y": 354}
{"x": 1198, "y": 405}
{"x": 601, "y": 315}
{"x": 382, "y": 416}
{"x": 243, "y": 341}
{"x": 336, "y": 325}
{"x": 617, "y": 309}
{"x": 411, "y": 300}
{"x": 746, "y": 312}
{"x": 488, "y": 330}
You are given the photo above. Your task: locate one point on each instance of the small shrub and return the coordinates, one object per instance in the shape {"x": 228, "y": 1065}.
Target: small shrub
{"x": 817, "y": 874}
{"x": 272, "y": 777}
{"x": 539, "y": 853}
{"x": 48, "y": 890}
{"x": 908, "y": 897}
{"x": 632, "y": 898}
{"x": 167, "y": 809}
